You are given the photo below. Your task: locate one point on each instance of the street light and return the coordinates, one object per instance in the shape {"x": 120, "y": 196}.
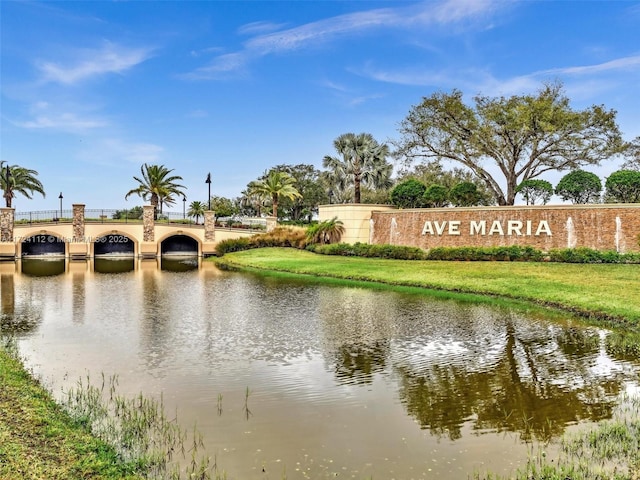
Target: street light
{"x": 184, "y": 207}
{"x": 208, "y": 182}
{"x": 60, "y": 197}
{"x": 8, "y": 190}
{"x": 330, "y": 193}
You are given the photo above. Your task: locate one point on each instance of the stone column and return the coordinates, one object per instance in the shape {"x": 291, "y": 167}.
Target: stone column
{"x": 7, "y": 243}
{"x": 209, "y": 244}
{"x": 79, "y": 247}
{"x": 148, "y": 223}
{"x": 209, "y": 226}
{"x": 148, "y": 247}
{"x": 272, "y": 222}
{"x": 7, "y": 216}
{"x": 78, "y": 222}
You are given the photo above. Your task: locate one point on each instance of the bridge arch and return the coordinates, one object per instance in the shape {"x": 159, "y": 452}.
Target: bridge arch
{"x": 114, "y": 242}
{"x": 180, "y": 242}
{"x": 42, "y": 243}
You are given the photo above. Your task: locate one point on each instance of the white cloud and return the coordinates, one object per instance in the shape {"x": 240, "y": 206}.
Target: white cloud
{"x": 631, "y": 63}
{"x": 221, "y": 67}
{"x": 583, "y": 81}
{"x": 327, "y": 30}
{"x": 255, "y": 28}
{"x": 65, "y": 121}
{"x": 112, "y": 151}
{"x": 110, "y": 58}
{"x": 45, "y": 115}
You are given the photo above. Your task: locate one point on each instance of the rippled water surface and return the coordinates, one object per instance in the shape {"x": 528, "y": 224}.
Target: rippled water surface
{"x": 343, "y": 382}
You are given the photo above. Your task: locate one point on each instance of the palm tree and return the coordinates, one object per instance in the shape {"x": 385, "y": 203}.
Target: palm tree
{"x": 329, "y": 231}
{"x": 157, "y": 185}
{"x": 196, "y": 209}
{"x": 16, "y": 179}
{"x": 274, "y": 186}
{"x": 363, "y": 161}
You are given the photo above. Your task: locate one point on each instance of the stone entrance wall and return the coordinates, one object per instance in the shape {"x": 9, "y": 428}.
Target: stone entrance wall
{"x": 600, "y": 227}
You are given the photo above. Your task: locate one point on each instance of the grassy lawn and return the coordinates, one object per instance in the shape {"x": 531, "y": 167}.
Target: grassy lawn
{"x": 39, "y": 441}
{"x": 604, "y": 291}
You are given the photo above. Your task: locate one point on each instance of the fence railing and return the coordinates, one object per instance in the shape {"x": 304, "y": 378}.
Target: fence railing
{"x": 128, "y": 217}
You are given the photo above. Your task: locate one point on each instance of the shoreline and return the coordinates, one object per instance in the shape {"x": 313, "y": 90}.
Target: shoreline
{"x": 607, "y": 294}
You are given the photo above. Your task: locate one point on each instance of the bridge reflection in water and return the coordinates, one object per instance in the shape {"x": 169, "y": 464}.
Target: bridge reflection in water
{"x": 44, "y": 266}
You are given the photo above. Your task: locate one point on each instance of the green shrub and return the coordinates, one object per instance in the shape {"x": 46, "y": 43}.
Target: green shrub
{"x": 279, "y": 237}
{"x": 510, "y": 253}
{"x": 587, "y": 255}
{"x": 233, "y": 245}
{"x": 396, "y": 252}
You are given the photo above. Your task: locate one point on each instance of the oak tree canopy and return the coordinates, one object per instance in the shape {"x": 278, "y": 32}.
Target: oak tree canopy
{"x": 524, "y": 136}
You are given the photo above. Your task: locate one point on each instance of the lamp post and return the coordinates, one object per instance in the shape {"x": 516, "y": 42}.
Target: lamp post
{"x": 208, "y": 182}
{"x": 60, "y": 197}
{"x": 8, "y": 189}
{"x": 184, "y": 207}
{"x": 330, "y": 193}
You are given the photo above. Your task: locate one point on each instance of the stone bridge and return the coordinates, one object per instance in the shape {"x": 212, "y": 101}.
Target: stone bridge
{"x": 79, "y": 238}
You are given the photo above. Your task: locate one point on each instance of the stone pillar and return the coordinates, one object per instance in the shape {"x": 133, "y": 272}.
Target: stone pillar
{"x": 148, "y": 247}
{"x": 78, "y": 248}
{"x": 272, "y": 222}
{"x": 7, "y": 243}
{"x": 7, "y": 216}
{"x": 78, "y": 222}
{"x": 148, "y": 223}
{"x": 209, "y": 226}
{"x": 209, "y": 244}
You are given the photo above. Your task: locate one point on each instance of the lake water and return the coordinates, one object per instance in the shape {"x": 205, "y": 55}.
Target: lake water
{"x": 343, "y": 382}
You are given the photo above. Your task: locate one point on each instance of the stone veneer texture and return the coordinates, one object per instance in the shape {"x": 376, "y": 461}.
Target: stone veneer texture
{"x": 600, "y": 227}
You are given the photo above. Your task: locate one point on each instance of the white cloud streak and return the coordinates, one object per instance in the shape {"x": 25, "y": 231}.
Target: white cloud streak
{"x": 587, "y": 79}
{"x": 45, "y": 116}
{"x": 110, "y": 58}
{"x": 323, "y": 31}
{"x": 69, "y": 122}
{"x": 112, "y": 151}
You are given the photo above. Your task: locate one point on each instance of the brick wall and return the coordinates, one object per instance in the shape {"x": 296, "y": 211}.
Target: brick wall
{"x": 601, "y": 227}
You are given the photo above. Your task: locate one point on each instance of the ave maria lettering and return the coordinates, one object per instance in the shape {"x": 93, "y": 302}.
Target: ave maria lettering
{"x": 484, "y": 227}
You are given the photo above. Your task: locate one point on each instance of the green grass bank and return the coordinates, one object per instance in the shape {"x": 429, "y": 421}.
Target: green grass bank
{"x": 607, "y": 292}
{"x": 38, "y": 440}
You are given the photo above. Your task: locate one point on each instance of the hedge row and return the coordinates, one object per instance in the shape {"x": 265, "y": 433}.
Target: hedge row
{"x": 296, "y": 237}
{"x": 512, "y": 253}
{"x": 370, "y": 251}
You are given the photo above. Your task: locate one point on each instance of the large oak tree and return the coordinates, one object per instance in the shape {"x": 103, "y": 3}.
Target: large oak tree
{"x": 523, "y": 136}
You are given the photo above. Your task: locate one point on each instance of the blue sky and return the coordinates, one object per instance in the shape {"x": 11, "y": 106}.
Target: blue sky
{"x": 91, "y": 90}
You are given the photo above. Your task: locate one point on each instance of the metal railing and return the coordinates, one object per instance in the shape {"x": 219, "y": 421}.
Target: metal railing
{"x": 43, "y": 216}
{"x": 105, "y": 215}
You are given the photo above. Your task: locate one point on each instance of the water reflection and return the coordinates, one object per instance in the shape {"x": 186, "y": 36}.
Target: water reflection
{"x": 42, "y": 267}
{"x": 329, "y": 368}
{"x": 179, "y": 263}
{"x": 17, "y": 315}
{"x": 114, "y": 264}
{"x": 531, "y": 386}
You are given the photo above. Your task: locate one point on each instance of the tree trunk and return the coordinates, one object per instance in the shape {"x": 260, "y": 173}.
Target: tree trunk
{"x": 356, "y": 188}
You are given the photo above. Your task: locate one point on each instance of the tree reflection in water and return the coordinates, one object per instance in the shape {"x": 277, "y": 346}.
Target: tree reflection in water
{"x": 17, "y": 315}
{"x": 536, "y": 387}
{"x": 484, "y": 369}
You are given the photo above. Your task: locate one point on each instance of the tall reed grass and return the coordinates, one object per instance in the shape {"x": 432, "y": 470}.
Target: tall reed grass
{"x": 141, "y": 431}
